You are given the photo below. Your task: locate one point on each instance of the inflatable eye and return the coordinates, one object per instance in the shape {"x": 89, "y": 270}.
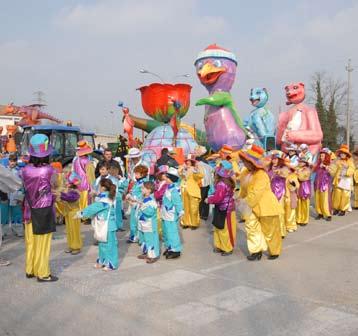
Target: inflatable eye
{"x": 200, "y": 65}
{"x": 295, "y": 87}
{"x": 217, "y": 63}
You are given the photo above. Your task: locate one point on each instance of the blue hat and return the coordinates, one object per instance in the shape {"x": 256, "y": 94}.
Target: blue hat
{"x": 39, "y": 146}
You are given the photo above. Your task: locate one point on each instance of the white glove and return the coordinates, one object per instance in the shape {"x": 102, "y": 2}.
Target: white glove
{"x": 78, "y": 215}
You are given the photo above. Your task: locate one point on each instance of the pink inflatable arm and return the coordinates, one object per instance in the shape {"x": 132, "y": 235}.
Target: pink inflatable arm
{"x": 313, "y": 134}
{"x": 282, "y": 122}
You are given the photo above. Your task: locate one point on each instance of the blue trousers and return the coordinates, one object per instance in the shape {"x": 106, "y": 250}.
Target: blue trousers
{"x": 171, "y": 237}
{"x": 108, "y": 252}
{"x": 133, "y": 225}
{"x": 119, "y": 216}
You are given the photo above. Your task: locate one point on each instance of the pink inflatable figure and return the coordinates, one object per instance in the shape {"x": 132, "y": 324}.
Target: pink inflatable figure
{"x": 300, "y": 124}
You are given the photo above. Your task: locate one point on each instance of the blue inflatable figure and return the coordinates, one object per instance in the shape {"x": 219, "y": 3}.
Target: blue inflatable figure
{"x": 261, "y": 121}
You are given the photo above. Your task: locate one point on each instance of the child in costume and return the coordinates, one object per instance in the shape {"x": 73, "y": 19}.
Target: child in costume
{"x": 323, "y": 185}
{"x": 69, "y": 207}
{"x": 191, "y": 177}
{"x": 171, "y": 212}
{"x": 355, "y": 179}
{"x": 103, "y": 208}
{"x": 223, "y": 198}
{"x": 343, "y": 172}
{"x": 15, "y": 200}
{"x": 134, "y": 197}
{"x": 291, "y": 197}
{"x": 148, "y": 224}
{"x": 278, "y": 172}
{"x": 160, "y": 186}
{"x": 266, "y": 210}
{"x": 103, "y": 174}
{"x": 303, "y": 172}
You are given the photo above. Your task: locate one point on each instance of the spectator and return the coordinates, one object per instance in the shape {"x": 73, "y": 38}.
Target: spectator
{"x": 108, "y": 157}
{"x": 166, "y": 160}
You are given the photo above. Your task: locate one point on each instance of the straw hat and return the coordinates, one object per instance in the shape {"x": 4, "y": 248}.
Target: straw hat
{"x": 133, "y": 153}
{"x": 255, "y": 154}
{"x": 83, "y": 148}
{"x": 344, "y": 149}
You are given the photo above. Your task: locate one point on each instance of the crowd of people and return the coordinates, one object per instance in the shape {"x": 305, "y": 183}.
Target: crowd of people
{"x": 271, "y": 192}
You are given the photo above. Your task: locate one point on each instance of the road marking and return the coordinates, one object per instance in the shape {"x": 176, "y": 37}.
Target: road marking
{"x": 237, "y": 298}
{"x": 196, "y": 314}
{"x": 236, "y": 262}
{"x": 172, "y": 279}
{"x": 322, "y": 321}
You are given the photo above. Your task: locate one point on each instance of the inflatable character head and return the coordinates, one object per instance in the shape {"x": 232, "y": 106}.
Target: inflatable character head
{"x": 216, "y": 68}
{"x": 295, "y": 93}
{"x": 258, "y": 97}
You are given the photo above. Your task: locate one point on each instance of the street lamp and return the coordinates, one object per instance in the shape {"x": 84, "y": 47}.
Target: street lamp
{"x": 144, "y": 71}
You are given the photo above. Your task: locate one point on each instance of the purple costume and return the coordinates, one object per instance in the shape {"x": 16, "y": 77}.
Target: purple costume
{"x": 79, "y": 167}
{"x": 37, "y": 183}
{"x": 278, "y": 184}
{"x": 323, "y": 180}
{"x": 223, "y": 197}
{"x": 304, "y": 191}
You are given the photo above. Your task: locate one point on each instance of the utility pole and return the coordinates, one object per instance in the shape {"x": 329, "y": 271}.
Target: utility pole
{"x": 39, "y": 97}
{"x": 349, "y": 70}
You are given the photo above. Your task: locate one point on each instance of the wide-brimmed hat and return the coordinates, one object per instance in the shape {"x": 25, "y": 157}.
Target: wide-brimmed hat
{"x": 226, "y": 149}
{"x": 254, "y": 155}
{"x": 57, "y": 166}
{"x": 83, "y": 148}
{"x": 325, "y": 150}
{"x": 305, "y": 158}
{"x": 225, "y": 169}
{"x": 344, "y": 149}
{"x": 277, "y": 154}
{"x": 173, "y": 174}
{"x": 303, "y": 147}
{"x": 40, "y": 146}
{"x": 133, "y": 153}
{"x": 162, "y": 169}
{"x": 291, "y": 147}
{"x": 199, "y": 150}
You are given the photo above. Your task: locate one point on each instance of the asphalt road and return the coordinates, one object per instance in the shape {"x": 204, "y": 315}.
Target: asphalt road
{"x": 312, "y": 289}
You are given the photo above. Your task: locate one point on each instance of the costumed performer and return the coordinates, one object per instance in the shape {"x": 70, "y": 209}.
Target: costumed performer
{"x": 262, "y": 201}
{"x": 39, "y": 179}
{"x": 355, "y": 179}
{"x": 160, "y": 187}
{"x": 303, "y": 172}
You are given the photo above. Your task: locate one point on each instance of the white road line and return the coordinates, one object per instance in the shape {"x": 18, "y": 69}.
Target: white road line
{"x": 236, "y": 262}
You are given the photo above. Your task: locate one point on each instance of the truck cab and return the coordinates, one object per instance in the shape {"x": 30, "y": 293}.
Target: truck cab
{"x": 62, "y": 138}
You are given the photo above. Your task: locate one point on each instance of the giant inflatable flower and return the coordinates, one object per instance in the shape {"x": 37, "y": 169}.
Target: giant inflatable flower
{"x": 158, "y": 100}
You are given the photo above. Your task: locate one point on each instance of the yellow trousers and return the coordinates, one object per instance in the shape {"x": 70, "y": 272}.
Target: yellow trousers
{"x": 83, "y": 199}
{"x": 356, "y": 196}
{"x": 341, "y": 199}
{"x": 73, "y": 231}
{"x": 37, "y": 260}
{"x": 191, "y": 210}
{"x": 159, "y": 221}
{"x": 270, "y": 226}
{"x": 303, "y": 211}
{"x": 255, "y": 238}
{"x": 321, "y": 199}
{"x": 290, "y": 217}
{"x": 282, "y": 219}
{"x": 225, "y": 239}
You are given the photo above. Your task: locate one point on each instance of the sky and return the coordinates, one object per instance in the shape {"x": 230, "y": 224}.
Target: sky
{"x": 86, "y": 55}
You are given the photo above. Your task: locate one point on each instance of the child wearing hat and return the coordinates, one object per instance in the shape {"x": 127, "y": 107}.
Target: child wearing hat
{"x": 148, "y": 224}
{"x": 278, "y": 171}
{"x": 134, "y": 197}
{"x": 190, "y": 182}
{"x": 291, "y": 197}
{"x": 224, "y": 220}
{"x": 303, "y": 172}
{"x": 342, "y": 181}
{"x": 355, "y": 179}
{"x": 323, "y": 185}
{"x": 266, "y": 210}
{"x": 160, "y": 186}
{"x": 171, "y": 213}
{"x": 103, "y": 212}
{"x": 69, "y": 207}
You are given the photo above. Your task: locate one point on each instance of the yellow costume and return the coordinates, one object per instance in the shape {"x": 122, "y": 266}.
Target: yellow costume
{"x": 292, "y": 185}
{"x": 355, "y": 188}
{"x": 266, "y": 209}
{"x": 304, "y": 194}
{"x": 342, "y": 184}
{"x": 38, "y": 247}
{"x": 191, "y": 198}
{"x": 255, "y": 239}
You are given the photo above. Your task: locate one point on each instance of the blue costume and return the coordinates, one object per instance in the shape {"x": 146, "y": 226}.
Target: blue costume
{"x": 148, "y": 226}
{"x": 108, "y": 251}
{"x": 261, "y": 121}
{"x": 136, "y": 195}
{"x": 171, "y": 211}
{"x": 122, "y": 186}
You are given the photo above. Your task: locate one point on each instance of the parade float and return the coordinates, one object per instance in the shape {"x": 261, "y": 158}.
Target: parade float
{"x": 261, "y": 121}
{"x": 300, "y": 124}
{"x": 216, "y": 70}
